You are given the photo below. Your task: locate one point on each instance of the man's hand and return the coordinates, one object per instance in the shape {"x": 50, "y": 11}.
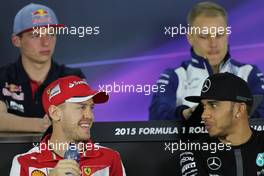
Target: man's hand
{"x": 64, "y": 167}
{"x": 188, "y": 112}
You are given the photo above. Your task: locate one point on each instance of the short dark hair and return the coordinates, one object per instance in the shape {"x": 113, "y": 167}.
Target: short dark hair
{"x": 206, "y": 8}
{"x": 249, "y": 109}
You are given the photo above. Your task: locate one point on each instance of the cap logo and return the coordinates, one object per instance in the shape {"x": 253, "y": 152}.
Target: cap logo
{"x": 40, "y": 12}
{"x": 41, "y": 16}
{"x": 75, "y": 83}
{"x": 54, "y": 91}
{"x": 206, "y": 86}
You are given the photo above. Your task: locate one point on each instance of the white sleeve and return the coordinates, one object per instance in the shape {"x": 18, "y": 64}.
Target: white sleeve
{"x": 15, "y": 168}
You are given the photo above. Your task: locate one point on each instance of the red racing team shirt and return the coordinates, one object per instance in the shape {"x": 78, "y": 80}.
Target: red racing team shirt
{"x": 95, "y": 161}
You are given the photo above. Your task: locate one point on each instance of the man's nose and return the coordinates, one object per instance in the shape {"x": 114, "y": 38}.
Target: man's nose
{"x": 205, "y": 114}
{"x": 88, "y": 114}
{"x": 45, "y": 40}
{"x": 212, "y": 41}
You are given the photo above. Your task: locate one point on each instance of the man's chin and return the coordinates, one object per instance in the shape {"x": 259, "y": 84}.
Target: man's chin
{"x": 212, "y": 134}
{"x": 84, "y": 137}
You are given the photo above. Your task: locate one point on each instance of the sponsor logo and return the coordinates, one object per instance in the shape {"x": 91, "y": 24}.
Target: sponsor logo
{"x": 260, "y": 160}
{"x": 13, "y": 91}
{"x": 75, "y": 83}
{"x": 13, "y": 87}
{"x": 95, "y": 170}
{"x": 261, "y": 172}
{"x": 15, "y": 106}
{"x": 214, "y": 163}
{"x": 206, "y": 86}
{"x": 38, "y": 171}
{"x": 54, "y": 91}
{"x": 87, "y": 171}
{"x": 41, "y": 16}
{"x": 189, "y": 166}
{"x": 40, "y": 12}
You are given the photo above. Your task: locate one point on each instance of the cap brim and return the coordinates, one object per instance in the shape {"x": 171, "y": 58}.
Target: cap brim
{"x": 32, "y": 28}
{"x": 99, "y": 97}
{"x": 195, "y": 99}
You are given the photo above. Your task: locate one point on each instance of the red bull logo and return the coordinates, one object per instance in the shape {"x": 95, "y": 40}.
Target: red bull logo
{"x": 40, "y": 12}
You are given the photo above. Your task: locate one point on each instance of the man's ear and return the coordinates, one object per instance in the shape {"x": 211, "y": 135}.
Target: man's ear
{"x": 16, "y": 40}
{"x": 55, "y": 113}
{"x": 240, "y": 110}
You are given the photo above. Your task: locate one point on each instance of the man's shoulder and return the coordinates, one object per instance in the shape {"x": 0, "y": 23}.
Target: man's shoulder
{"x": 183, "y": 67}
{"x": 7, "y": 71}
{"x": 241, "y": 64}
{"x": 108, "y": 152}
{"x": 27, "y": 157}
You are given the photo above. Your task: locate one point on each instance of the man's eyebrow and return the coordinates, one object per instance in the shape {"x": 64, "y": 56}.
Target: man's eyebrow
{"x": 213, "y": 101}
{"x": 81, "y": 103}
{"x": 85, "y": 103}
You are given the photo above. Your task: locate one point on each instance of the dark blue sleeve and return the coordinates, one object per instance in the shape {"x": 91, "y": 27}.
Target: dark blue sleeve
{"x": 256, "y": 84}
{"x": 163, "y": 103}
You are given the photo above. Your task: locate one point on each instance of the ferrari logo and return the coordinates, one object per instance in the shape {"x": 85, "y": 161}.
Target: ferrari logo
{"x": 87, "y": 171}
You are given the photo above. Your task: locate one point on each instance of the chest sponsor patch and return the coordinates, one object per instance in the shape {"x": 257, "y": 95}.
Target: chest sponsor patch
{"x": 38, "y": 171}
{"x": 13, "y": 91}
{"x": 95, "y": 170}
{"x": 15, "y": 106}
{"x": 260, "y": 160}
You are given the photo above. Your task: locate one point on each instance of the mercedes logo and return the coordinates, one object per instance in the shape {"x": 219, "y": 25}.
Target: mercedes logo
{"x": 206, "y": 86}
{"x": 214, "y": 163}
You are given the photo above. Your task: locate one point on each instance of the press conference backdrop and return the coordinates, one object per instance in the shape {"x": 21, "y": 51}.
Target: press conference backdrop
{"x": 147, "y": 148}
{"x": 131, "y": 47}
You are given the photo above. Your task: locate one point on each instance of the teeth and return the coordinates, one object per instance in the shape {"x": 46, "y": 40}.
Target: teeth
{"x": 84, "y": 125}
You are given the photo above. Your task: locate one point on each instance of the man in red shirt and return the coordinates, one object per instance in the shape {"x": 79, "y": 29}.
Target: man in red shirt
{"x": 69, "y": 102}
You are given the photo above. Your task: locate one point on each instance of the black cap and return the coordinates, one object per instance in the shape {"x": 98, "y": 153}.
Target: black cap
{"x": 224, "y": 87}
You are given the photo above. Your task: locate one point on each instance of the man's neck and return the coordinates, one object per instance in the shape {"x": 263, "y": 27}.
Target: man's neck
{"x": 215, "y": 69}
{"x": 240, "y": 136}
{"x": 36, "y": 71}
{"x": 57, "y": 141}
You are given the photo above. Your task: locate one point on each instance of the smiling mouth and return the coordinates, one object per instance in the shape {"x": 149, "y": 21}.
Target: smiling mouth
{"x": 84, "y": 125}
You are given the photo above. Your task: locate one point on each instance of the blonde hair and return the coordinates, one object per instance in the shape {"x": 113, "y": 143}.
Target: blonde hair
{"x": 206, "y": 8}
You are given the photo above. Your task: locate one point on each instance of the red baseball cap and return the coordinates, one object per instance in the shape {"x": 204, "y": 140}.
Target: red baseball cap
{"x": 70, "y": 89}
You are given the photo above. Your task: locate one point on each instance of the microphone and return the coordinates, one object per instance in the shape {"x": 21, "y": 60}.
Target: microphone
{"x": 73, "y": 154}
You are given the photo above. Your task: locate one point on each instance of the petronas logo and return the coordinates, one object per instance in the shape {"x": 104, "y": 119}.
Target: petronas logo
{"x": 260, "y": 159}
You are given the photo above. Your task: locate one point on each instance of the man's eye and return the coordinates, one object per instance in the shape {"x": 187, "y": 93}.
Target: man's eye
{"x": 82, "y": 107}
{"x": 220, "y": 35}
{"x": 34, "y": 35}
{"x": 51, "y": 35}
{"x": 213, "y": 105}
{"x": 203, "y": 36}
